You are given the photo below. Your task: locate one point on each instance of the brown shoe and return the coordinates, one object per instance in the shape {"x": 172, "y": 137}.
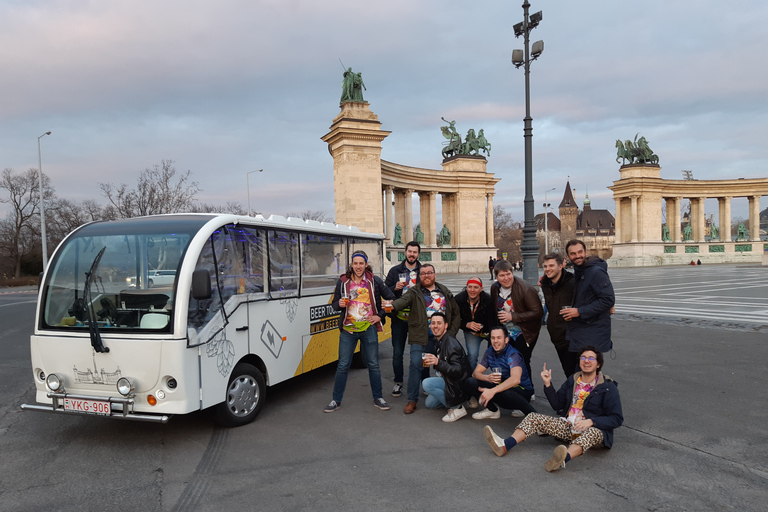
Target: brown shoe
{"x": 409, "y": 407}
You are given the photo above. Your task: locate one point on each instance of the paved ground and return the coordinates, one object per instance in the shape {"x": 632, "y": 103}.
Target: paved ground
{"x": 694, "y": 436}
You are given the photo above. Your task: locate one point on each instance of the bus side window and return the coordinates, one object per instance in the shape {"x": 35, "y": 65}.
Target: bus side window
{"x": 323, "y": 259}
{"x": 256, "y": 254}
{"x": 283, "y": 263}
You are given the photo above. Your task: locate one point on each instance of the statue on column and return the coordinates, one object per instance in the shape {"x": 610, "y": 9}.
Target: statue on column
{"x": 397, "y": 239}
{"x": 352, "y": 86}
{"x": 444, "y": 238}
{"x": 714, "y": 233}
{"x": 687, "y": 233}
{"x": 665, "y": 233}
{"x": 418, "y": 234}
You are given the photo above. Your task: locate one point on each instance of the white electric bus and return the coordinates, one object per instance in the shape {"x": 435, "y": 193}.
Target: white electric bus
{"x": 248, "y": 306}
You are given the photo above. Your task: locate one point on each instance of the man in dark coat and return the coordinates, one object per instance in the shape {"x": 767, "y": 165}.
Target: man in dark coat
{"x": 589, "y": 317}
{"x": 557, "y": 286}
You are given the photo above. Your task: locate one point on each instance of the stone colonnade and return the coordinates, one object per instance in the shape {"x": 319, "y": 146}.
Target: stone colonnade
{"x": 376, "y": 195}
{"x": 639, "y": 240}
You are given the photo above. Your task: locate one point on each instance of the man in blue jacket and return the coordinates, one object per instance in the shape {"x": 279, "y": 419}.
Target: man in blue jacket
{"x": 589, "y": 317}
{"x": 589, "y": 407}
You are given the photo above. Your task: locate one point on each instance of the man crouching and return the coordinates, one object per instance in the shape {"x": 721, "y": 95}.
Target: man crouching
{"x": 589, "y": 407}
{"x": 452, "y": 366}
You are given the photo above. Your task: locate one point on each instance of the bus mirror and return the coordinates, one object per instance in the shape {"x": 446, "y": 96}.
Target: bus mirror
{"x": 201, "y": 285}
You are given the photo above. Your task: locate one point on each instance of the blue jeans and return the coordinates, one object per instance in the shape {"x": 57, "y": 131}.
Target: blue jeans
{"x": 369, "y": 345}
{"x": 434, "y": 387}
{"x": 399, "y": 335}
{"x": 414, "y": 372}
{"x": 473, "y": 342}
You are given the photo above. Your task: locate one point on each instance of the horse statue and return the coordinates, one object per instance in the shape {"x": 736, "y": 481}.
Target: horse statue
{"x": 471, "y": 146}
{"x": 483, "y": 143}
{"x": 637, "y": 152}
{"x": 622, "y": 152}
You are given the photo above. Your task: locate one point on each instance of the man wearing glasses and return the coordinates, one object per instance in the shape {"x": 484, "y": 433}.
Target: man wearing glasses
{"x": 589, "y": 407}
{"x": 424, "y": 300}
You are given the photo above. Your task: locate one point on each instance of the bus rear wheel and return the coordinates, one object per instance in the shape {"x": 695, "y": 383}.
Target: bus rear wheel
{"x": 245, "y": 397}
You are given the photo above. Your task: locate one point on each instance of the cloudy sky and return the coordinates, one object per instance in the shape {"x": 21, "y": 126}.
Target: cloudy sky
{"x": 226, "y": 87}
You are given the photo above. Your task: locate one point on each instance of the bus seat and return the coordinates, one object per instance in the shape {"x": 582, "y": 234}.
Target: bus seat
{"x": 154, "y": 320}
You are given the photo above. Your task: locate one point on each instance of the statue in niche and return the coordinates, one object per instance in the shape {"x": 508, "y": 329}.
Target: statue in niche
{"x": 687, "y": 233}
{"x": 398, "y": 238}
{"x": 665, "y": 233}
{"x": 444, "y": 238}
{"x": 714, "y": 233}
{"x": 742, "y": 233}
{"x": 418, "y": 234}
{"x": 352, "y": 86}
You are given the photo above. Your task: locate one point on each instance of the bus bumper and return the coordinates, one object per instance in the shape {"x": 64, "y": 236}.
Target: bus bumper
{"x": 120, "y": 408}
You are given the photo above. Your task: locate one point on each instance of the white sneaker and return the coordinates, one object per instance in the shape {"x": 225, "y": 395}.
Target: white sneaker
{"x": 533, "y": 398}
{"x": 516, "y": 413}
{"x": 455, "y": 414}
{"x": 495, "y": 442}
{"x": 487, "y": 414}
{"x": 473, "y": 403}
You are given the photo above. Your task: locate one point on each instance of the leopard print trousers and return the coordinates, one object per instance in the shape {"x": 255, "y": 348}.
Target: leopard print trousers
{"x": 560, "y": 429}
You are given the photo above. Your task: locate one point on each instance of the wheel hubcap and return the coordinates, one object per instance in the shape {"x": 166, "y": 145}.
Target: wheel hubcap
{"x": 243, "y": 395}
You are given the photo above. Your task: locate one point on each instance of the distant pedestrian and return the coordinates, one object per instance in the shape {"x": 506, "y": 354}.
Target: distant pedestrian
{"x": 491, "y": 264}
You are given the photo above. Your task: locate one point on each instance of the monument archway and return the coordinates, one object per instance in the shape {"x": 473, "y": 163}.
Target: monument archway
{"x": 377, "y": 196}
{"x": 642, "y": 239}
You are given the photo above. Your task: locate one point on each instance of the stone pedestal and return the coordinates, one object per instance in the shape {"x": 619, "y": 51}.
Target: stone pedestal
{"x": 354, "y": 141}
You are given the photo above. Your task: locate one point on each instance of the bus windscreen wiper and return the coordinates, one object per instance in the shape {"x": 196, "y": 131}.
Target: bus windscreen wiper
{"x": 93, "y": 328}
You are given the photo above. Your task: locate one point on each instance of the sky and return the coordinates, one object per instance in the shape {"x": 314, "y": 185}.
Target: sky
{"x": 223, "y": 88}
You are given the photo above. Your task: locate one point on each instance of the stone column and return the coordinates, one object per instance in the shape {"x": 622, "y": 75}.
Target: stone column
{"x": 355, "y": 144}
{"x": 692, "y": 218}
{"x": 449, "y": 216}
{"x": 400, "y": 213}
{"x": 702, "y": 221}
{"x": 428, "y": 218}
{"x": 489, "y": 221}
{"x": 634, "y": 219}
{"x": 726, "y": 223}
{"x": 678, "y": 235}
{"x": 408, "y": 221}
{"x": 617, "y": 221}
{"x": 671, "y": 207}
{"x": 720, "y": 217}
{"x": 388, "y": 217}
{"x": 754, "y": 218}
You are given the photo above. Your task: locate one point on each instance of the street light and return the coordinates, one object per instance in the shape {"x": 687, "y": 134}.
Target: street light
{"x": 546, "y": 220}
{"x": 42, "y": 207}
{"x": 529, "y": 247}
{"x": 248, "y": 186}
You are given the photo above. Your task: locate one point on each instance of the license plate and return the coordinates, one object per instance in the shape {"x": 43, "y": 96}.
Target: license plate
{"x": 87, "y": 406}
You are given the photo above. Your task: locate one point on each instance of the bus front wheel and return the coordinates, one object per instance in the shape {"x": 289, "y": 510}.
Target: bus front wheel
{"x": 245, "y": 397}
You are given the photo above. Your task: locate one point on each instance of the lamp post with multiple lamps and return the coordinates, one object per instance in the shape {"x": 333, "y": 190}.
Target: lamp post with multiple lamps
{"x": 248, "y": 186}
{"x": 546, "y": 220}
{"x": 529, "y": 247}
{"x": 42, "y": 206}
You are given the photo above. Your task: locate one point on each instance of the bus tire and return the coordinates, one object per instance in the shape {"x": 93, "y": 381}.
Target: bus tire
{"x": 245, "y": 397}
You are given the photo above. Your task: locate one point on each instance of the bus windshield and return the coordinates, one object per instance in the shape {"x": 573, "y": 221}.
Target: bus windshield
{"x": 131, "y": 287}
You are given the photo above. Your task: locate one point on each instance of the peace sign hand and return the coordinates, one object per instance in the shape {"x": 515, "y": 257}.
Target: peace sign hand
{"x": 546, "y": 376}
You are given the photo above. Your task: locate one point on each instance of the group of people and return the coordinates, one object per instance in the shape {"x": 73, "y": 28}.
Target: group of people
{"x": 517, "y": 265}
{"x": 426, "y": 315}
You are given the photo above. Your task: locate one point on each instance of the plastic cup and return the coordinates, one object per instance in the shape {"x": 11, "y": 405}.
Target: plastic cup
{"x": 561, "y": 312}
{"x": 403, "y": 278}
{"x": 496, "y": 371}
{"x": 424, "y": 359}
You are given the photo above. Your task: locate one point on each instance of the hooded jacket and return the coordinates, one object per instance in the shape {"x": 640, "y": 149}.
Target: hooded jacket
{"x": 376, "y": 289}
{"x": 602, "y": 406}
{"x": 557, "y": 295}
{"x": 593, "y": 296}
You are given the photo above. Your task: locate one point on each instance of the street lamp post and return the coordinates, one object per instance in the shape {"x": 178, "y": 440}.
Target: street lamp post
{"x": 248, "y": 187}
{"x": 546, "y": 220}
{"x": 42, "y": 206}
{"x": 529, "y": 247}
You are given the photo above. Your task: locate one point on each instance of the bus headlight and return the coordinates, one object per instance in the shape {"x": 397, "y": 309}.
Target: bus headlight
{"x": 55, "y": 382}
{"x": 125, "y": 386}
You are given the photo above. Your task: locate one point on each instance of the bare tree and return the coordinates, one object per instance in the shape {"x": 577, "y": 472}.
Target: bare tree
{"x": 232, "y": 207}
{"x": 19, "y": 232}
{"x": 63, "y": 216}
{"x": 507, "y": 233}
{"x": 317, "y": 215}
{"x": 158, "y": 190}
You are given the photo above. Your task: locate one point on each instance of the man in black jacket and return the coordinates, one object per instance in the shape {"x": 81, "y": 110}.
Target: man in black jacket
{"x": 557, "y": 285}
{"x": 451, "y": 363}
{"x": 399, "y": 279}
